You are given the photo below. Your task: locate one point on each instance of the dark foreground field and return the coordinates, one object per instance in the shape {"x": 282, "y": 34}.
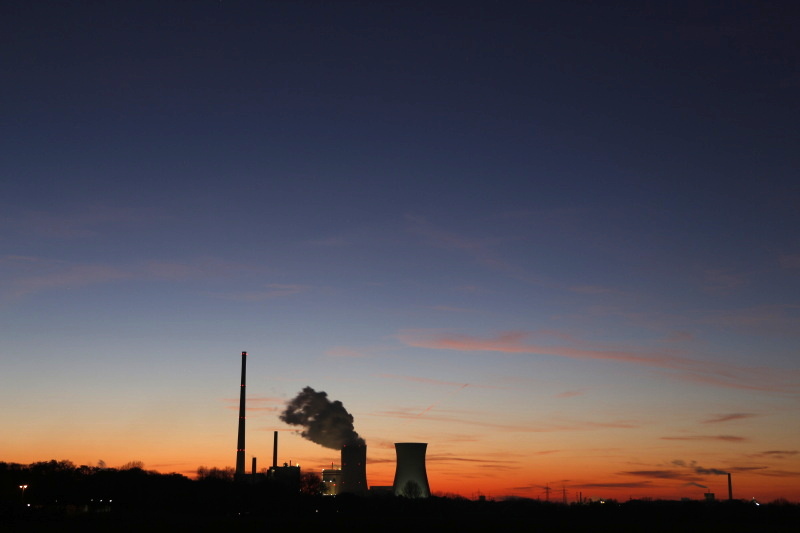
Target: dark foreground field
{"x": 437, "y": 514}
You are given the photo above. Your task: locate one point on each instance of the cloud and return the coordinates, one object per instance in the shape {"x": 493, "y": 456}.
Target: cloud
{"x": 679, "y": 336}
{"x": 446, "y": 458}
{"x": 521, "y": 342}
{"x": 728, "y": 417}
{"x": 424, "y": 380}
{"x": 469, "y": 418}
{"x": 331, "y": 242}
{"x": 624, "y": 485}
{"x": 781, "y": 319}
{"x": 86, "y": 223}
{"x": 659, "y": 474}
{"x": 25, "y": 275}
{"x": 479, "y": 250}
{"x": 62, "y": 275}
{"x": 790, "y": 261}
{"x": 269, "y": 292}
{"x": 451, "y": 309}
{"x": 256, "y": 403}
{"x": 571, "y": 393}
{"x": 721, "y": 282}
{"x": 342, "y": 351}
{"x": 775, "y": 454}
{"x": 724, "y": 438}
{"x": 697, "y": 469}
{"x": 590, "y": 289}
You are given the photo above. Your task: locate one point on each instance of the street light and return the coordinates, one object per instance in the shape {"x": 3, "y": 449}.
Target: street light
{"x": 22, "y": 488}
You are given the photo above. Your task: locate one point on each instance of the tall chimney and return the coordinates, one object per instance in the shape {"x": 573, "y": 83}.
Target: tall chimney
{"x": 730, "y": 488}
{"x": 240, "y": 447}
{"x": 275, "y": 450}
{"x": 254, "y": 468}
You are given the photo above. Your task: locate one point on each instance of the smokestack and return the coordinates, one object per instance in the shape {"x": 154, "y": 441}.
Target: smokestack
{"x": 254, "y": 468}
{"x": 354, "y": 469}
{"x": 410, "y": 477}
{"x": 730, "y": 488}
{"x": 240, "y": 447}
{"x": 275, "y": 450}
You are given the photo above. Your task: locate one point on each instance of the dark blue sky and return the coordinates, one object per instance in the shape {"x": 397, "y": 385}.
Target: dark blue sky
{"x": 373, "y": 189}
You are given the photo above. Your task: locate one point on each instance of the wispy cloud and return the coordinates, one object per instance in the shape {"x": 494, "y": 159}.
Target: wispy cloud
{"x": 267, "y": 292}
{"x": 256, "y": 403}
{"x": 479, "y": 250}
{"x": 343, "y": 351}
{"x": 571, "y": 393}
{"x": 790, "y": 261}
{"x": 723, "y": 438}
{"x": 659, "y": 474}
{"x": 775, "y": 454}
{"x": 522, "y": 342}
{"x": 470, "y": 418}
{"x": 24, "y": 275}
{"x": 590, "y": 289}
{"x": 331, "y": 242}
{"x": 427, "y": 381}
{"x": 781, "y": 319}
{"x": 728, "y": 417}
{"x": 88, "y": 222}
{"x": 451, "y": 309}
{"x": 721, "y": 282}
{"x": 622, "y": 485}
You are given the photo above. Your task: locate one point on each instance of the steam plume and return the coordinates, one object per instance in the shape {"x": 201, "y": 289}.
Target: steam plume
{"x": 326, "y": 423}
{"x": 701, "y": 470}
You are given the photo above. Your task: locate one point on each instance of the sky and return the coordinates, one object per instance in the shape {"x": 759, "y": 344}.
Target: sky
{"x": 556, "y": 241}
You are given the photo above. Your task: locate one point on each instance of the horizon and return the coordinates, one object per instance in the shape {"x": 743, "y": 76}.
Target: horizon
{"x": 555, "y": 241}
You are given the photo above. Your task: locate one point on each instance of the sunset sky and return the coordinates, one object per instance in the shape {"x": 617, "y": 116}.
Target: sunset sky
{"x": 557, "y": 241}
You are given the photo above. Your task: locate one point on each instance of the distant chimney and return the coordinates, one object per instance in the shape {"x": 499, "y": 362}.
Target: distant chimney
{"x": 240, "y": 447}
{"x": 275, "y": 450}
{"x": 730, "y": 488}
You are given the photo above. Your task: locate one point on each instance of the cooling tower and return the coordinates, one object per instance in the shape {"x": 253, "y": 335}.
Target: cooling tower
{"x": 410, "y": 477}
{"x": 354, "y": 469}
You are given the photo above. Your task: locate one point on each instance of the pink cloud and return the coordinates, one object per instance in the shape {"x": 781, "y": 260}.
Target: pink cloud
{"x": 29, "y": 275}
{"x": 423, "y": 380}
{"x": 519, "y": 342}
{"x": 515, "y": 342}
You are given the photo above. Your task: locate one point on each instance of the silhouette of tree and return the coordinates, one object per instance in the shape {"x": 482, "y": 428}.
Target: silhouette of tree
{"x": 219, "y": 474}
{"x": 412, "y": 489}
{"x": 310, "y": 484}
{"x": 130, "y": 465}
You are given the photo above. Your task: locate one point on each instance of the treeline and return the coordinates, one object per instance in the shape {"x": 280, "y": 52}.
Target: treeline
{"x": 98, "y": 498}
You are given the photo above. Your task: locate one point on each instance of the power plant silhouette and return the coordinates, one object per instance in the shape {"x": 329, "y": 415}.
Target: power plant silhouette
{"x": 329, "y": 424}
{"x": 410, "y": 476}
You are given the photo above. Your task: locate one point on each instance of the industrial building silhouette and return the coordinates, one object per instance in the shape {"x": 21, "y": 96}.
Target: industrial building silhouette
{"x": 410, "y": 480}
